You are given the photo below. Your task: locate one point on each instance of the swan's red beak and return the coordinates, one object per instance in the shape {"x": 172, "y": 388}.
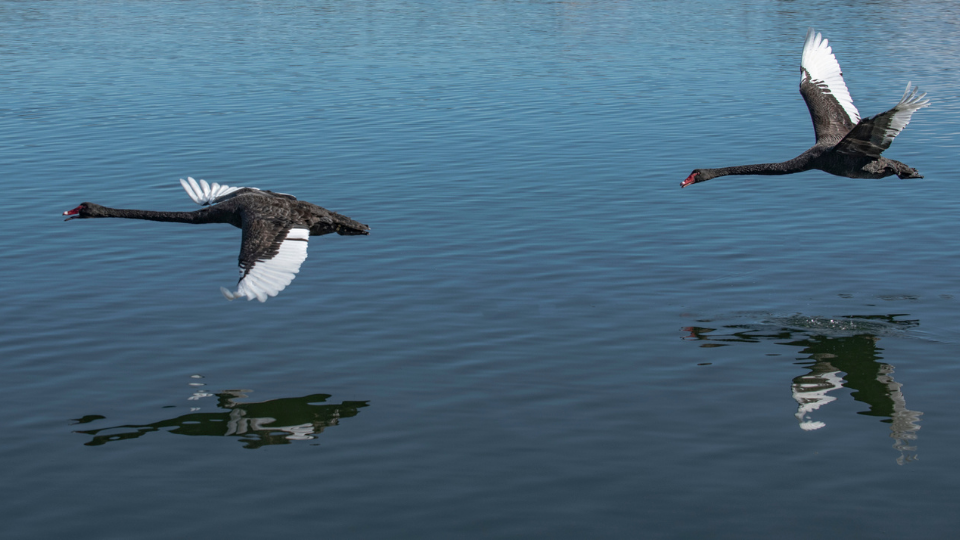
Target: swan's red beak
{"x": 75, "y": 213}
{"x": 692, "y": 179}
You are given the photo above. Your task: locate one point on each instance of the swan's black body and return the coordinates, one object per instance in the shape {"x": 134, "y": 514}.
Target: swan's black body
{"x": 846, "y": 145}
{"x": 269, "y": 221}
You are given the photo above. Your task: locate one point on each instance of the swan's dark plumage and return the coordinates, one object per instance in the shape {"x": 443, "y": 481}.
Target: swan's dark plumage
{"x": 275, "y": 226}
{"x": 846, "y": 145}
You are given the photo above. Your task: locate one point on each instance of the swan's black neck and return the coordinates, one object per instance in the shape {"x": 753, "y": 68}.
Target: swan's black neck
{"x": 798, "y": 164}
{"x": 199, "y": 216}
{"x": 759, "y": 168}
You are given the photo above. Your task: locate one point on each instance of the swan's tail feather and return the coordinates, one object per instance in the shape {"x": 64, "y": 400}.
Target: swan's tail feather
{"x": 345, "y": 226}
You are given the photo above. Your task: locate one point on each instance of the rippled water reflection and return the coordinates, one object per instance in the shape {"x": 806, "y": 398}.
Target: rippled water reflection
{"x": 838, "y": 353}
{"x": 256, "y": 424}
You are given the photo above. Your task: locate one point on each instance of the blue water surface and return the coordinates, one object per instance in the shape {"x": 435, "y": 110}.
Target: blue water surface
{"x": 542, "y": 337}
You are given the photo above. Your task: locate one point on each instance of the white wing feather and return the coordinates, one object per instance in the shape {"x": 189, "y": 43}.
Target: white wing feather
{"x": 268, "y": 277}
{"x": 909, "y": 104}
{"x": 204, "y": 193}
{"x": 818, "y": 60}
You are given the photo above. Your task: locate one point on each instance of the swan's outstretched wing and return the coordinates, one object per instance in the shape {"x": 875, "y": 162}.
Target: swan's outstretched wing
{"x": 875, "y": 134}
{"x": 205, "y": 194}
{"x": 822, "y": 87}
{"x": 270, "y": 257}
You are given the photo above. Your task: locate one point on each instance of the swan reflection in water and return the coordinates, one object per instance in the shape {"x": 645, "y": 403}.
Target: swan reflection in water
{"x": 840, "y": 352}
{"x": 256, "y": 424}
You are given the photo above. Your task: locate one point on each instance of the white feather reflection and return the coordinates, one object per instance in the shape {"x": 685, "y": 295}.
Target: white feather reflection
{"x": 839, "y": 353}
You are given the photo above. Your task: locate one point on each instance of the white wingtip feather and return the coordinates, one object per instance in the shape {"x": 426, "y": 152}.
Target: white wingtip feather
{"x": 820, "y": 63}
{"x": 270, "y": 276}
{"x": 189, "y": 190}
{"x": 196, "y": 187}
{"x": 910, "y": 103}
{"x": 203, "y": 193}
{"x": 911, "y": 98}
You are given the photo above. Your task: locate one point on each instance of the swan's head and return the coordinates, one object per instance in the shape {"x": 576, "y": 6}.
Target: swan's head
{"x": 699, "y": 175}
{"x": 695, "y": 176}
{"x": 85, "y": 210}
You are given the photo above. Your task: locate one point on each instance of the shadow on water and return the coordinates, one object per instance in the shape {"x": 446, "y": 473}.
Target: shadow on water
{"x": 838, "y": 353}
{"x": 255, "y": 424}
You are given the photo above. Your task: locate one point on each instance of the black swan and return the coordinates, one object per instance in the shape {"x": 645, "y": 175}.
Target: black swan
{"x": 846, "y": 145}
{"x": 276, "y": 228}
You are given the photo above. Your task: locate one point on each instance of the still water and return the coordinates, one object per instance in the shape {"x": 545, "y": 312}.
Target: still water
{"x": 542, "y": 337}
